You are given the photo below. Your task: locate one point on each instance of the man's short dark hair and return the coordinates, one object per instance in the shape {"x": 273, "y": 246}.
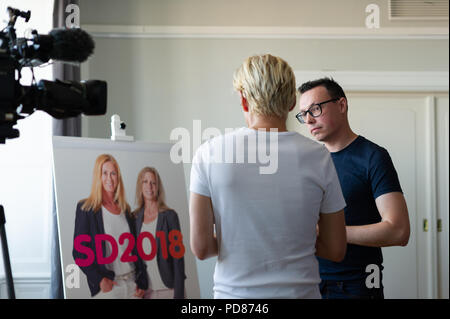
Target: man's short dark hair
{"x": 334, "y": 89}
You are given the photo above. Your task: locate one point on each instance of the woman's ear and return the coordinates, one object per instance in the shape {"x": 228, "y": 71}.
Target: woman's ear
{"x": 292, "y": 107}
{"x": 244, "y": 102}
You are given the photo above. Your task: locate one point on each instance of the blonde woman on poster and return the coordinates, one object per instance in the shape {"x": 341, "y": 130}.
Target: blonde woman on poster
{"x": 103, "y": 222}
{"x": 160, "y": 239}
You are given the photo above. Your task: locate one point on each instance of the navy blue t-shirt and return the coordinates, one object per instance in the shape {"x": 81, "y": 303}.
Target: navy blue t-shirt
{"x": 365, "y": 171}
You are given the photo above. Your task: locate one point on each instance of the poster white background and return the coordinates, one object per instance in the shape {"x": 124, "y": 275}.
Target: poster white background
{"x": 74, "y": 160}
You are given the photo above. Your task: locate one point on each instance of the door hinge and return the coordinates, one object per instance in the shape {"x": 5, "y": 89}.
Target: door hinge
{"x": 425, "y": 225}
{"x": 439, "y": 225}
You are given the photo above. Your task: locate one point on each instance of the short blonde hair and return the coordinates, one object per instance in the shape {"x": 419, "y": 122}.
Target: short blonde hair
{"x": 268, "y": 84}
{"x": 94, "y": 201}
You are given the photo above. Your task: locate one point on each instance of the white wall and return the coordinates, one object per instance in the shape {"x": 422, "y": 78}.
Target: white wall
{"x": 310, "y": 13}
{"x": 159, "y": 83}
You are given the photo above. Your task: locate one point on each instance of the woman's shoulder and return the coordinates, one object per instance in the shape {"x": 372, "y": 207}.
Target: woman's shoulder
{"x": 82, "y": 212}
{"x": 137, "y": 212}
{"x": 169, "y": 213}
{"x": 171, "y": 216}
{"x": 80, "y": 203}
{"x": 82, "y": 206}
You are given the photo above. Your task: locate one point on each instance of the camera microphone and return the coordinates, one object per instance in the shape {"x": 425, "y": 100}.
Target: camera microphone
{"x": 67, "y": 45}
{"x": 60, "y": 99}
{"x": 73, "y": 45}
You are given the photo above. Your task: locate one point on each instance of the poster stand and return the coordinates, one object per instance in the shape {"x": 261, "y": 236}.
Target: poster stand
{"x": 6, "y": 261}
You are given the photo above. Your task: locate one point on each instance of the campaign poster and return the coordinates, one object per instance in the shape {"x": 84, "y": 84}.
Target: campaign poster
{"x": 123, "y": 220}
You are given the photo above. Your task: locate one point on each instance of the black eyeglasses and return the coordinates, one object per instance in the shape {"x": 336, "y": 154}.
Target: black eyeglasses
{"x": 314, "y": 110}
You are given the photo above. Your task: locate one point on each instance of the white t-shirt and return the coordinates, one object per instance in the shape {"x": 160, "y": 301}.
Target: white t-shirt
{"x": 266, "y": 223}
{"x": 152, "y": 265}
{"x": 115, "y": 226}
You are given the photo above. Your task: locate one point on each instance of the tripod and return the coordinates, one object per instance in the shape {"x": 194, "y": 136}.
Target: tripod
{"x": 6, "y": 261}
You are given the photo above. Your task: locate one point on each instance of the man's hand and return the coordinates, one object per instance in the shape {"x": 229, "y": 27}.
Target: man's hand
{"x": 394, "y": 228}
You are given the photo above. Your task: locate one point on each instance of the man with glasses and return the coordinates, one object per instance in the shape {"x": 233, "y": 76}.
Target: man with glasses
{"x": 376, "y": 214}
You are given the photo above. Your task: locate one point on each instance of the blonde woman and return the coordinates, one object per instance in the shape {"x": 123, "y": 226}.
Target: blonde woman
{"x": 153, "y": 216}
{"x": 261, "y": 226}
{"x": 104, "y": 217}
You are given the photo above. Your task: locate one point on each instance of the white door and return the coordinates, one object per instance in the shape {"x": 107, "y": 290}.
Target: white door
{"x": 442, "y": 172}
{"x": 401, "y": 123}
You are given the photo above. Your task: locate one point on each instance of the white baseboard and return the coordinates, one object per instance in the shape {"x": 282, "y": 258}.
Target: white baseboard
{"x": 27, "y": 287}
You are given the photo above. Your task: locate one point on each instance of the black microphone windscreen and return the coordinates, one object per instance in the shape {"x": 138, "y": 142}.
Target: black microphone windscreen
{"x": 74, "y": 45}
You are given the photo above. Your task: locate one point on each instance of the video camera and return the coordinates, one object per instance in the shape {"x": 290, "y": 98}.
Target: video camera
{"x": 60, "y": 99}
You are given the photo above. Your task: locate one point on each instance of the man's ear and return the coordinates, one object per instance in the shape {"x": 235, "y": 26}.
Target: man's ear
{"x": 244, "y": 102}
{"x": 343, "y": 105}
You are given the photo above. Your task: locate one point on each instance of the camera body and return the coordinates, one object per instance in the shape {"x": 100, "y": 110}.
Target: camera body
{"x": 8, "y": 96}
{"x": 60, "y": 99}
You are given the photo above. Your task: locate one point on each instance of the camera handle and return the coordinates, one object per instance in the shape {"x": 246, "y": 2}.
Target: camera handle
{"x": 6, "y": 261}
